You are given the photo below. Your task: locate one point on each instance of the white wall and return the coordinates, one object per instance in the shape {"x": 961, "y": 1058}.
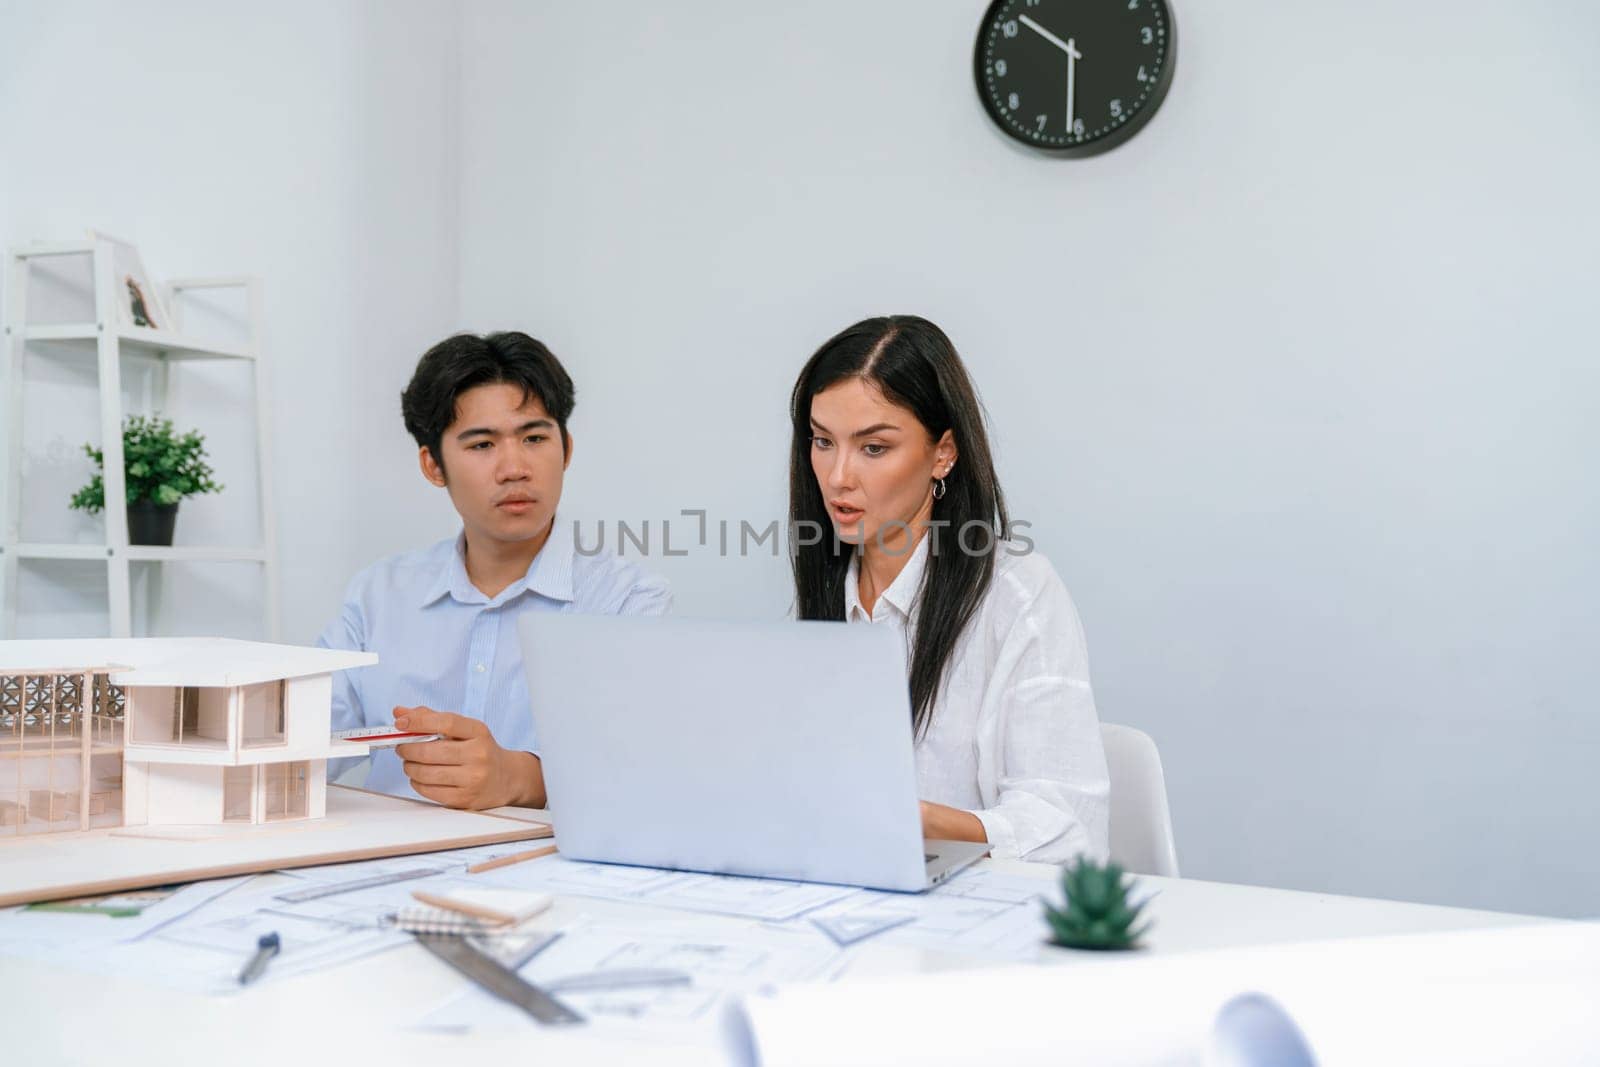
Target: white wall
{"x": 307, "y": 143}
{"x": 1298, "y": 387}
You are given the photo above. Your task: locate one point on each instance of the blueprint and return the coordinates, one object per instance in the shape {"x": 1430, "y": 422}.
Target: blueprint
{"x": 156, "y": 908}
{"x": 769, "y": 899}
{"x": 979, "y": 912}
{"x": 198, "y": 939}
{"x": 677, "y": 968}
{"x": 712, "y": 963}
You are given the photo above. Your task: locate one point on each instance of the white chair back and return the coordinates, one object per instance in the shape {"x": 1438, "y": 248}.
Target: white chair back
{"x": 1141, "y": 822}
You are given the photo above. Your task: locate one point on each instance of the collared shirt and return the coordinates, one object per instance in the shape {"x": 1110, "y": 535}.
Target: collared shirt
{"x": 442, "y": 643}
{"x": 1013, "y": 737}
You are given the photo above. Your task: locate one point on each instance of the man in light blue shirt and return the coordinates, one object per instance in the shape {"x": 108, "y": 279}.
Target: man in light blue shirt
{"x": 489, "y": 415}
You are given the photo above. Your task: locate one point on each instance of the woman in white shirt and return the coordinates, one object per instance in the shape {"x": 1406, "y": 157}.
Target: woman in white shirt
{"x": 890, "y": 454}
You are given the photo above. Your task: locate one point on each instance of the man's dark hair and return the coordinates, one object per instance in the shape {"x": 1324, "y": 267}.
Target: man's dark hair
{"x": 467, "y": 361}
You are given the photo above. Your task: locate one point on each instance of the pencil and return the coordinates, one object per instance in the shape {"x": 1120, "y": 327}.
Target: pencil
{"x": 506, "y": 861}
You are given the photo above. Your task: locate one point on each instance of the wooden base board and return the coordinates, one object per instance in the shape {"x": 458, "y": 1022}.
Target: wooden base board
{"x": 360, "y": 825}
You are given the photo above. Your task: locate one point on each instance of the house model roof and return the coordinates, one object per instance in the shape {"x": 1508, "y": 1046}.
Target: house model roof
{"x": 187, "y": 661}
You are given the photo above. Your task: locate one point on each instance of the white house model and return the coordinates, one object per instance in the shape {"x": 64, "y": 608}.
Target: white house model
{"x": 134, "y": 732}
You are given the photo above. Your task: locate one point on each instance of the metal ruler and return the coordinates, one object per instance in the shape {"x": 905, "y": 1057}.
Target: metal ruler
{"x": 495, "y": 978}
{"x": 300, "y": 896}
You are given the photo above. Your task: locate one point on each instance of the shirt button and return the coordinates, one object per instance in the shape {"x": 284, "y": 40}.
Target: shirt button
{"x": 480, "y": 668}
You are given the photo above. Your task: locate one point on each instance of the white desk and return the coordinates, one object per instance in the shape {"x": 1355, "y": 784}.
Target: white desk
{"x": 52, "y": 1015}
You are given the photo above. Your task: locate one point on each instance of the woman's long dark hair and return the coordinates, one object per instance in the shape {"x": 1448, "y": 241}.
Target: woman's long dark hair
{"x": 915, "y": 365}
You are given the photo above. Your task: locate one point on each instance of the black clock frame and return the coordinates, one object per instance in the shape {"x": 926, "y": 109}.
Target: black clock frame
{"x": 1100, "y": 145}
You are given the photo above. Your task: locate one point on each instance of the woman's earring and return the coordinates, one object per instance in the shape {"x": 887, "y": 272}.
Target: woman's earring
{"x": 938, "y": 489}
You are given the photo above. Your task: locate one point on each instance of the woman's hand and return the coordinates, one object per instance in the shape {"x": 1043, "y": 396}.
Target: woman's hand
{"x": 951, "y": 824}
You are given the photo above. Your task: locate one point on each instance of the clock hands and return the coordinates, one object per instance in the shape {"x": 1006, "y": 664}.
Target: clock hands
{"x": 1069, "y": 46}
{"x": 1065, "y": 46}
{"x": 1072, "y": 70}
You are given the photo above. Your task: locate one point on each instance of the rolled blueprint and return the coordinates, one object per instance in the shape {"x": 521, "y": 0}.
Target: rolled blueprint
{"x": 1516, "y": 994}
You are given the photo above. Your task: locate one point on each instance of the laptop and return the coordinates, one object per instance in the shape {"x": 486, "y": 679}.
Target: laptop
{"x": 773, "y": 749}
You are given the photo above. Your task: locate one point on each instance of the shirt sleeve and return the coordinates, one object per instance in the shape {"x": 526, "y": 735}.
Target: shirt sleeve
{"x": 1042, "y": 766}
{"x": 348, "y": 631}
{"x": 648, "y": 596}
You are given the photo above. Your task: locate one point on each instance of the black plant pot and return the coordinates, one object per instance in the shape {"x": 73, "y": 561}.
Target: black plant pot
{"x": 150, "y": 523}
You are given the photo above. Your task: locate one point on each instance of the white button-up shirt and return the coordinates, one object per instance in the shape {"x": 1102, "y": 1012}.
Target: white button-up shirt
{"x": 1013, "y": 737}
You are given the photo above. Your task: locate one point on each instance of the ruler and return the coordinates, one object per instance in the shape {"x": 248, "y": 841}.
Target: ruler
{"x": 496, "y": 978}
{"x": 300, "y": 896}
{"x": 384, "y": 736}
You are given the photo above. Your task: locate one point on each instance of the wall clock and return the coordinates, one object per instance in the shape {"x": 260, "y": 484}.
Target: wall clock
{"x": 1074, "y": 77}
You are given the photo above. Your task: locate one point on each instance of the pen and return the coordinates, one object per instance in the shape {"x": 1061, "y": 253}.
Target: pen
{"x": 266, "y": 948}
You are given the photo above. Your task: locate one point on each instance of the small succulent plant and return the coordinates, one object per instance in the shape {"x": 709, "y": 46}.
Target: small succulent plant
{"x": 1098, "y": 914}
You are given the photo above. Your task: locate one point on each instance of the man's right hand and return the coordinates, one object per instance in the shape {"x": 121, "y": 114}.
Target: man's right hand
{"x": 466, "y": 768}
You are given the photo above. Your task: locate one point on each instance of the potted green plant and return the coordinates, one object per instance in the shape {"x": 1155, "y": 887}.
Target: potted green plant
{"x": 160, "y": 467}
{"x": 1100, "y": 913}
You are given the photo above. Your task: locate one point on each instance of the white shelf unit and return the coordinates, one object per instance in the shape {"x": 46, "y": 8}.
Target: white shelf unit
{"x": 112, "y": 340}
